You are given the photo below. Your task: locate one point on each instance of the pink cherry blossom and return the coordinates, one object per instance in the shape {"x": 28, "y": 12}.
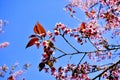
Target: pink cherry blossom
{"x": 4, "y": 44}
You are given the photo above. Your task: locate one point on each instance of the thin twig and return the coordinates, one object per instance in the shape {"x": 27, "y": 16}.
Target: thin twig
{"x": 100, "y": 68}
{"x": 82, "y": 58}
{"x": 69, "y": 43}
{"x": 93, "y": 5}
{"x": 99, "y": 11}
{"x": 60, "y": 50}
{"x": 76, "y": 18}
{"x": 61, "y": 56}
{"x": 92, "y": 43}
{"x": 99, "y": 78}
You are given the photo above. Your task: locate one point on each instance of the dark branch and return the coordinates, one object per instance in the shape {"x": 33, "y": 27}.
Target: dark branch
{"x": 60, "y": 50}
{"x": 69, "y": 43}
{"x": 99, "y": 75}
{"x": 94, "y": 5}
{"x": 82, "y": 58}
{"x": 99, "y": 10}
{"x": 86, "y": 52}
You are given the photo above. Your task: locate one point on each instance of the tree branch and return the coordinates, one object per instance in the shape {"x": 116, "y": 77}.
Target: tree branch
{"x": 93, "y": 5}
{"x": 92, "y": 43}
{"x": 82, "y": 59}
{"x": 85, "y": 52}
{"x": 60, "y": 50}
{"x": 99, "y": 75}
{"x": 69, "y": 43}
{"x": 99, "y": 10}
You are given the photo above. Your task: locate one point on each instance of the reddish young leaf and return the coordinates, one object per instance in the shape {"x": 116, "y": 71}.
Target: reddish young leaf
{"x": 32, "y": 42}
{"x": 41, "y": 66}
{"x": 82, "y": 26}
{"x": 38, "y": 29}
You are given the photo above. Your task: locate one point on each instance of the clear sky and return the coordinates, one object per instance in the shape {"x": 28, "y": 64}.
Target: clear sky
{"x": 22, "y": 16}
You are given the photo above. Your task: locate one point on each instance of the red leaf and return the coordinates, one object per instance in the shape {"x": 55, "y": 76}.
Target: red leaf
{"x": 41, "y": 66}
{"x": 82, "y": 26}
{"x": 39, "y": 29}
{"x": 32, "y": 42}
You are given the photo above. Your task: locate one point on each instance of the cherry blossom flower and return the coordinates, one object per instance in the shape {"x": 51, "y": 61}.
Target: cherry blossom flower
{"x": 4, "y": 67}
{"x": 60, "y": 26}
{"x": 4, "y": 44}
{"x": 17, "y": 73}
{"x": 45, "y": 43}
{"x": 56, "y": 32}
{"x": 49, "y": 34}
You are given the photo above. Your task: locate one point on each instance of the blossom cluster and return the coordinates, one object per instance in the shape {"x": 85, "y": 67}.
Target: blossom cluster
{"x": 81, "y": 72}
{"x": 113, "y": 73}
{"x": 14, "y": 73}
{"x": 85, "y": 30}
{"x": 102, "y": 17}
{"x": 106, "y": 10}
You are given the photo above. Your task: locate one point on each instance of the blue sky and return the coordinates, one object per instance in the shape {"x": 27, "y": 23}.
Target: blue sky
{"x": 22, "y": 16}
